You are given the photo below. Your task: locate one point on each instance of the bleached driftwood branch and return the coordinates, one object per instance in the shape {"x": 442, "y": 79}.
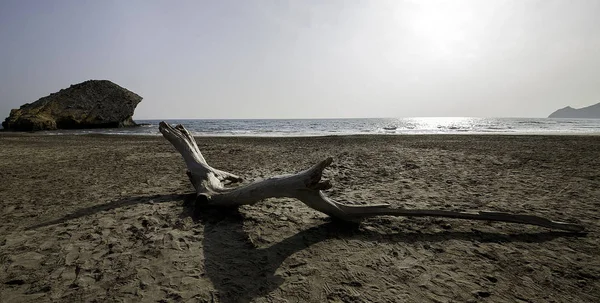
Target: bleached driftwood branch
{"x": 307, "y": 187}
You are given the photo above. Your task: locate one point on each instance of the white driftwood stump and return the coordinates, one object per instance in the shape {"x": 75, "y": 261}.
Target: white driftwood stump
{"x": 307, "y": 187}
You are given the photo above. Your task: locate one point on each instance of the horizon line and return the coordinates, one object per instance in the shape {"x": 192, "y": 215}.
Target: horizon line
{"x": 350, "y": 118}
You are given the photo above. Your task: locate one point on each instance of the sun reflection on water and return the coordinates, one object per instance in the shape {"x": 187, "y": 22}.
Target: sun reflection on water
{"x": 432, "y": 123}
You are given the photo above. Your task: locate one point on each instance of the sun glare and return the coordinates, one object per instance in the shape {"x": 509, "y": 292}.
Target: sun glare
{"x": 445, "y": 28}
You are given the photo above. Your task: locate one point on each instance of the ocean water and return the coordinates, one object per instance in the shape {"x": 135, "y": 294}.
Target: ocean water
{"x": 381, "y": 126}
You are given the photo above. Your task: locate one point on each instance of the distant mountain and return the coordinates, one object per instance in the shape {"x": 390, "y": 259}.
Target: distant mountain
{"x": 590, "y": 112}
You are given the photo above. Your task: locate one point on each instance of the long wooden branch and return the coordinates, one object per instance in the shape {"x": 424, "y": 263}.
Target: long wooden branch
{"x": 307, "y": 187}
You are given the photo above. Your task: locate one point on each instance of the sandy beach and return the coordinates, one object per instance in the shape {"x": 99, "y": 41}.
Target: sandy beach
{"x": 101, "y": 218}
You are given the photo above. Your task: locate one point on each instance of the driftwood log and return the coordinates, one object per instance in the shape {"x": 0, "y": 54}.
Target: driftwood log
{"x": 307, "y": 186}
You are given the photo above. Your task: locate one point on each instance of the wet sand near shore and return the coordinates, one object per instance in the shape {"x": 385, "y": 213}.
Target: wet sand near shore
{"x": 100, "y": 218}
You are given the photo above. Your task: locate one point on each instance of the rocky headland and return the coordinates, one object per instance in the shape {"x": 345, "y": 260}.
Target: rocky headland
{"x": 590, "y": 112}
{"x": 90, "y": 104}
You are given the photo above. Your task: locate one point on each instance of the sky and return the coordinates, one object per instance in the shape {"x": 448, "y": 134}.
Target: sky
{"x": 308, "y": 59}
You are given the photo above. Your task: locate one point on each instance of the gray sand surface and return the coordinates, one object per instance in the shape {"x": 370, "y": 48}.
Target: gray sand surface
{"x": 104, "y": 219}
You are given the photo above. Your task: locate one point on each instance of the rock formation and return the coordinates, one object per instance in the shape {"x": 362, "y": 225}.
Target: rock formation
{"x": 90, "y": 104}
{"x": 590, "y": 112}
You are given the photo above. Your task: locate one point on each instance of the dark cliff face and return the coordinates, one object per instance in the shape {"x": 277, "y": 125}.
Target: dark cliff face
{"x": 90, "y": 104}
{"x": 590, "y": 112}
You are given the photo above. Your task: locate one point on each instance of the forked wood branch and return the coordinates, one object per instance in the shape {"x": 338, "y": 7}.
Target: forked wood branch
{"x": 307, "y": 187}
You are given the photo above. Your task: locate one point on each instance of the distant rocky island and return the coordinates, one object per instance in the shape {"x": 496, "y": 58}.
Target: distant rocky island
{"x": 90, "y": 104}
{"x": 590, "y": 112}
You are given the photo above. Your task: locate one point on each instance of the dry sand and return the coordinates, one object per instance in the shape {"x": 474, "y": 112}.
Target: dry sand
{"x": 103, "y": 219}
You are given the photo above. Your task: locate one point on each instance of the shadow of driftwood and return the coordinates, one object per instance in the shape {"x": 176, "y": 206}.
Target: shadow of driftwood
{"x": 113, "y": 205}
{"x": 241, "y": 272}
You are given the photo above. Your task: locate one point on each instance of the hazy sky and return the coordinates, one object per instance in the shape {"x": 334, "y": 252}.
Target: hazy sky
{"x": 302, "y": 59}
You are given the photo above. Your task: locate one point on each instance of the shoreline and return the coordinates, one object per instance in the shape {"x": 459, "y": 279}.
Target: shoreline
{"x": 196, "y": 135}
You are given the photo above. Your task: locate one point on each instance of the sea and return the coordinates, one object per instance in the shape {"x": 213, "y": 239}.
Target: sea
{"x": 362, "y": 126}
